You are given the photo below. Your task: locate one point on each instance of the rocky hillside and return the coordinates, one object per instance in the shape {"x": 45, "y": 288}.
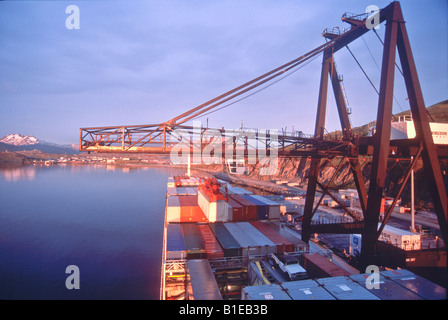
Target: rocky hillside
{"x": 297, "y": 169}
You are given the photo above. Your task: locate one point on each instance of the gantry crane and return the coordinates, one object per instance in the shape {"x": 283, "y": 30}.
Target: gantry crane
{"x": 162, "y": 137}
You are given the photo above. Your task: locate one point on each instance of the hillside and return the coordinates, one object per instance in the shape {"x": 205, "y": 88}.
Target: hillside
{"x": 436, "y": 113}
{"x": 296, "y": 169}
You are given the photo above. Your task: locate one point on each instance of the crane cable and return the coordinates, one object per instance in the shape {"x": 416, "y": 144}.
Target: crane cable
{"x": 399, "y": 69}
{"x": 259, "y": 90}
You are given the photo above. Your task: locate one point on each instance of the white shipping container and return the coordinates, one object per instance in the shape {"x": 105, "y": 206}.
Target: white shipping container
{"x": 203, "y": 203}
{"x": 171, "y": 182}
{"x": 402, "y": 239}
{"x": 215, "y": 210}
{"x": 406, "y": 130}
{"x": 172, "y": 209}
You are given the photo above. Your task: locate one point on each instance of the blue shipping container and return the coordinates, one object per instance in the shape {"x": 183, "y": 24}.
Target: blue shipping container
{"x": 262, "y": 208}
{"x": 175, "y": 246}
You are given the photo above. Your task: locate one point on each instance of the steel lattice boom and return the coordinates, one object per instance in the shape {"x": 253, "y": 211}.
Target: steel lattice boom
{"x": 164, "y": 137}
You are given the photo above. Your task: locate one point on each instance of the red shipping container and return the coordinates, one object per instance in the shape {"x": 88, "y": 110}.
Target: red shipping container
{"x": 238, "y": 210}
{"x": 189, "y": 210}
{"x": 212, "y": 247}
{"x": 250, "y": 209}
{"x": 283, "y": 244}
{"x": 317, "y": 266}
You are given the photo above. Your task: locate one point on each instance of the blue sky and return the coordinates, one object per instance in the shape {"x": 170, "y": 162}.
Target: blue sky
{"x": 141, "y": 62}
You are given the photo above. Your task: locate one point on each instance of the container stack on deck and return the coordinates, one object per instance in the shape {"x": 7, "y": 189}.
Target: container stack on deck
{"x": 207, "y": 221}
{"x": 394, "y": 285}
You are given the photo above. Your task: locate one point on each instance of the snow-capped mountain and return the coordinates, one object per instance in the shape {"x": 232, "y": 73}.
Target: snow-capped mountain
{"x": 18, "y": 142}
{"x": 16, "y": 139}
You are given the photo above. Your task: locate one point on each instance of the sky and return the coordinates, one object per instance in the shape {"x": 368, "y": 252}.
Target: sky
{"x": 143, "y": 62}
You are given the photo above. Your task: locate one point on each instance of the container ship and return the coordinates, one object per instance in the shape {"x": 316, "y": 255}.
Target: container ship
{"x": 222, "y": 242}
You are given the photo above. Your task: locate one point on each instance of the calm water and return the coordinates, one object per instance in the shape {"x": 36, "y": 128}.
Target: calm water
{"x": 107, "y": 222}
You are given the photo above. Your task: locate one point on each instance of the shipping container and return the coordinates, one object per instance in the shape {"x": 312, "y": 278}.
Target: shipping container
{"x": 202, "y": 283}
{"x": 283, "y": 244}
{"x": 262, "y": 208}
{"x": 317, "y": 266}
{"x": 216, "y": 210}
{"x": 399, "y": 238}
{"x": 211, "y": 245}
{"x": 289, "y": 206}
{"x": 306, "y": 290}
{"x": 265, "y": 244}
{"x": 417, "y": 284}
{"x": 229, "y": 245}
{"x": 193, "y": 242}
{"x": 248, "y": 244}
{"x": 264, "y": 292}
{"x": 172, "y": 209}
{"x": 175, "y": 246}
{"x": 237, "y": 211}
{"x": 171, "y": 191}
{"x": 170, "y": 182}
{"x": 386, "y": 289}
{"x": 190, "y": 210}
{"x": 294, "y": 237}
{"x": 343, "y": 288}
{"x": 192, "y": 191}
{"x": 229, "y": 212}
{"x": 182, "y": 191}
{"x": 274, "y": 207}
{"x": 250, "y": 209}
{"x": 237, "y": 190}
{"x": 276, "y": 197}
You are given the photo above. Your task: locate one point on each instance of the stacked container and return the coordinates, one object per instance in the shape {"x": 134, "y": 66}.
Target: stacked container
{"x": 229, "y": 245}
{"x": 236, "y": 210}
{"x": 193, "y": 242}
{"x": 343, "y": 288}
{"x": 264, "y": 292}
{"x": 211, "y": 245}
{"x": 247, "y": 243}
{"x": 417, "y": 284}
{"x": 212, "y": 202}
{"x": 262, "y": 208}
{"x": 387, "y": 289}
{"x": 175, "y": 246}
{"x": 274, "y": 207}
{"x": 317, "y": 266}
{"x": 283, "y": 244}
{"x": 190, "y": 210}
{"x": 306, "y": 290}
{"x": 265, "y": 244}
{"x": 249, "y": 208}
{"x": 293, "y": 237}
{"x": 172, "y": 209}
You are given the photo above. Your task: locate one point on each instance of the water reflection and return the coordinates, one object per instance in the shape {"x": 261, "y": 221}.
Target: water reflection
{"x": 108, "y": 223}
{"x": 13, "y": 173}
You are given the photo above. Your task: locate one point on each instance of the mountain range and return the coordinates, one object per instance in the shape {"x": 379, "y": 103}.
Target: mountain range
{"x": 18, "y": 142}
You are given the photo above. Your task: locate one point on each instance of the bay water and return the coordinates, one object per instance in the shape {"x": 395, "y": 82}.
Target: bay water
{"x": 106, "y": 221}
